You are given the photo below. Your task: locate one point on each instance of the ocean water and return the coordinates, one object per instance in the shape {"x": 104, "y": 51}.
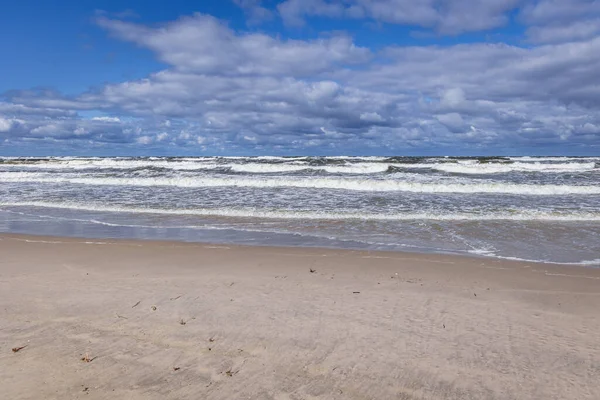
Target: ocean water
{"x": 530, "y": 208}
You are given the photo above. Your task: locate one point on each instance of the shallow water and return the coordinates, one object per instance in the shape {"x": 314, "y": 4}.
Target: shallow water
{"x": 539, "y": 209}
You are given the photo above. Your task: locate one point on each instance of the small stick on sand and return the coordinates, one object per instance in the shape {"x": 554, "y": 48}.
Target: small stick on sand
{"x": 87, "y": 358}
{"x": 136, "y": 304}
{"x": 17, "y": 349}
{"x": 175, "y": 298}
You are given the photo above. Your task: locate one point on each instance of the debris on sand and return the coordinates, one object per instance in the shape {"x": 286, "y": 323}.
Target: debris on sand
{"x": 136, "y": 304}
{"x": 17, "y": 349}
{"x": 87, "y": 358}
{"x": 182, "y": 322}
{"x": 153, "y": 308}
{"x": 175, "y": 298}
{"x": 312, "y": 271}
{"x": 176, "y": 368}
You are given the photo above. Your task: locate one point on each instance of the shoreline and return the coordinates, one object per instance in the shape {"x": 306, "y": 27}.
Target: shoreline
{"x": 424, "y": 253}
{"x": 176, "y": 320}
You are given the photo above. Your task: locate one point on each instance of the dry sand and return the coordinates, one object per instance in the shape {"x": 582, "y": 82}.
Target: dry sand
{"x": 192, "y": 321}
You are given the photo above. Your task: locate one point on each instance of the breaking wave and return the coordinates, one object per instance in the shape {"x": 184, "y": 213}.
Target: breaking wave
{"x": 363, "y": 185}
{"x": 522, "y": 215}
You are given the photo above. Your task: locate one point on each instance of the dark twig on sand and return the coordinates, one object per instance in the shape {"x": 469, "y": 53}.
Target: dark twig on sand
{"x": 87, "y": 358}
{"x": 17, "y": 349}
{"x": 312, "y": 271}
{"x": 175, "y": 298}
{"x": 176, "y": 368}
{"x": 136, "y": 304}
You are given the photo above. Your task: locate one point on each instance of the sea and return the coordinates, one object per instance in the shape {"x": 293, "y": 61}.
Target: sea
{"x": 519, "y": 208}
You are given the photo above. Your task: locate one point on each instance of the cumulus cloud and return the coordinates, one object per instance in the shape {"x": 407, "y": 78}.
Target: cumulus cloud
{"x": 453, "y": 122}
{"x": 254, "y": 10}
{"x": 5, "y": 124}
{"x": 554, "y": 11}
{"x": 230, "y": 91}
{"x": 449, "y": 17}
{"x": 556, "y": 21}
{"x": 106, "y": 119}
{"x": 203, "y": 44}
{"x": 578, "y": 30}
{"x": 144, "y": 140}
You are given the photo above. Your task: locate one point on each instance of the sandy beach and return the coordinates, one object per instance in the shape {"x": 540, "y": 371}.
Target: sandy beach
{"x": 105, "y": 319}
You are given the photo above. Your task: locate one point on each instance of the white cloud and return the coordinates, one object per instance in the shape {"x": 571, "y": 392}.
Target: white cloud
{"x": 556, "y": 11}
{"x": 453, "y": 121}
{"x": 453, "y": 98}
{"x": 49, "y": 129}
{"x": 144, "y": 140}
{"x": 183, "y": 135}
{"x": 371, "y": 117}
{"x": 255, "y": 12}
{"x": 106, "y": 119}
{"x": 204, "y": 44}
{"x": 80, "y": 131}
{"x": 239, "y": 91}
{"x": 5, "y": 124}
{"x": 449, "y": 16}
{"x": 577, "y": 30}
{"x": 162, "y": 136}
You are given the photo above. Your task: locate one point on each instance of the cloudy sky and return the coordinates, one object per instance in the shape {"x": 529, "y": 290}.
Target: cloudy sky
{"x": 251, "y": 77}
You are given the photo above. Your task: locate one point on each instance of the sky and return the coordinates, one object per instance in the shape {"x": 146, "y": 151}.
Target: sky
{"x": 300, "y": 77}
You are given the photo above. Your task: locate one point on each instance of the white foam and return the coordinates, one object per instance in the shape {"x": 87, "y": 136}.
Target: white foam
{"x": 473, "y": 167}
{"x": 204, "y": 164}
{"x": 257, "y": 168}
{"x": 109, "y": 163}
{"x": 359, "y": 168}
{"x": 495, "y": 168}
{"x": 365, "y": 185}
{"x": 555, "y": 159}
{"x": 488, "y": 253}
{"x": 370, "y": 165}
{"x": 524, "y": 215}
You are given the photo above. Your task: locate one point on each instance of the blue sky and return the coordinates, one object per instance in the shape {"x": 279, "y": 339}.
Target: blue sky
{"x": 300, "y": 77}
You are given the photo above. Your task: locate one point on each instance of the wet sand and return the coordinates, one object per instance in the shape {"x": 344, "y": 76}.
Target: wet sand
{"x": 160, "y": 320}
